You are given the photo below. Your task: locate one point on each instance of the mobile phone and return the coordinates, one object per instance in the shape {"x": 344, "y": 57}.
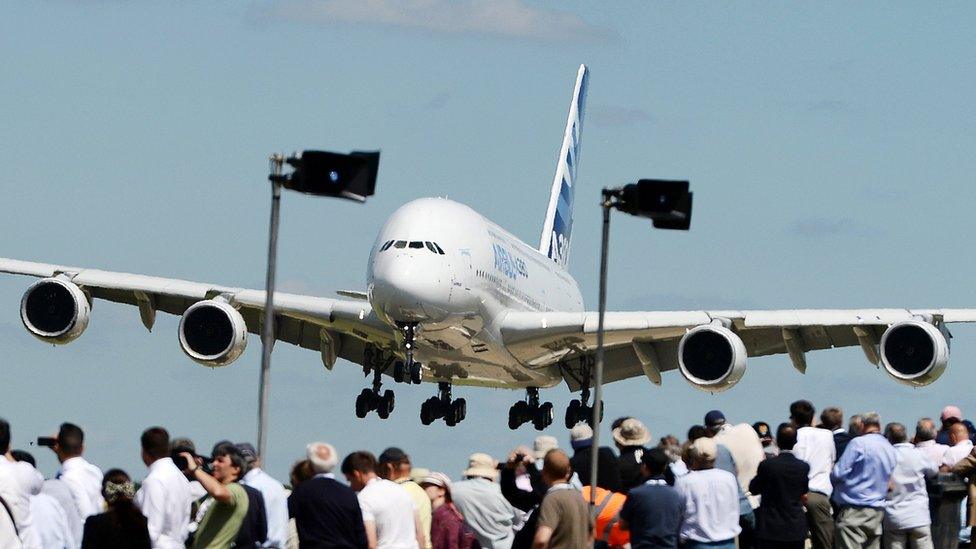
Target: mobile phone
{"x": 47, "y": 441}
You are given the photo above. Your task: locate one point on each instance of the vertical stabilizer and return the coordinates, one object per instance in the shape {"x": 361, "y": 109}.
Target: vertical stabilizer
{"x": 558, "y": 228}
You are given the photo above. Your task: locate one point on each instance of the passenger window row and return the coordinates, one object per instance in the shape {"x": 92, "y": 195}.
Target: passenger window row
{"x": 413, "y": 244}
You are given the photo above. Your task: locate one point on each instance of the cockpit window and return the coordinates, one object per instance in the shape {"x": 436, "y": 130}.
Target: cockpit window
{"x": 386, "y": 245}
{"x": 416, "y": 244}
{"x": 430, "y": 246}
{"x": 439, "y": 250}
{"x": 400, "y": 244}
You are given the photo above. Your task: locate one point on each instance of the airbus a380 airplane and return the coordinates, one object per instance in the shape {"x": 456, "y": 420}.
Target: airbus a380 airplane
{"x": 453, "y": 298}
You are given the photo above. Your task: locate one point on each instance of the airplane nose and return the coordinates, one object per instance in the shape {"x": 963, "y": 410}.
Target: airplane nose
{"x": 408, "y": 292}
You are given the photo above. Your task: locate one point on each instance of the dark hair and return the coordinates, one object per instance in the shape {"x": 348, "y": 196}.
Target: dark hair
{"x": 300, "y": 472}
{"x": 26, "y": 457}
{"x": 155, "y": 442}
{"x": 361, "y": 461}
{"x": 4, "y": 436}
{"x": 896, "y": 433}
{"x": 122, "y": 512}
{"x": 802, "y": 412}
{"x": 786, "y": 436}
{"x": 235, "y": 456}
{"x": 696, "y": 432}
{"x": 656, "y": 460}
{"x": 71, "y": 439}
{"x": 832, "y": 418}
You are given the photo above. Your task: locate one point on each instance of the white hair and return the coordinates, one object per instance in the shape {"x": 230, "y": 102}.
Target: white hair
{"x": 872, "y": 418}
{"x": 322, "y": 456}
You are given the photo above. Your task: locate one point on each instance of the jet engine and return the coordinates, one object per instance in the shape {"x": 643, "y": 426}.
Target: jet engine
{"x": 711, "y": 357}
{"x": 914, "y": 352}
{"x": 213, "y": 333}
{"x": 55, "y": 310}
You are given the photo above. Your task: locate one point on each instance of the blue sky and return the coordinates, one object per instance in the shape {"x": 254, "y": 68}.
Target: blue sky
{"x": 829, "y": 147}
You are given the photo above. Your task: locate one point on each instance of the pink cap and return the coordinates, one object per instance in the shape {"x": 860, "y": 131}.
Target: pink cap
{"x": 951, "y": 411}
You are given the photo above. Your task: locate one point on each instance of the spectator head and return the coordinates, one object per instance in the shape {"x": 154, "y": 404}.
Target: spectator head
{"x": 182, "y": 444}
{"x": 802, "y": 413}
{"x": 696, "y": 432}
{"x": 786, "y": 436}
{"x": 481, "y": 466}
{"x": 155, "y": 444}
{"x": 702, "y": 453}
{"x": 714, "y": 420}
{"x": 322, "y": 457}
{"x": 872, "y": 423}
{"x": 542, "y": 445}
{"x": 70, "y": 441}
{"x": 393, "y": 464}
{"x": 556, "y": 467}
{"x": 20, "y": 455}
{"x": 300, "y": 472}
{"x": 951, "y": 414}
{"x": 925, "y": 430}
{"x": 359, "y": 468}
{"x": 762, "y": 431}
{"x": 228, "y": 464}
{"x": 616, "y": 423}
{"x": 671, "y": 446}
{"x": 438, "y": 488}
{"x": 855, "y": 425}
{"x": 118, "y": 489}
{"x": 654, "y": 462}
{"x": 219, "y": 446}
{"x": 580, "y": 436}
{"x": 895, "y": 433}
{"x": 4, "y": 436}
{"x": 631, "y": 432}
{"x": 958, "y": 433}
{"x": 249, "y": 453}
{"x": 832, "y": 418}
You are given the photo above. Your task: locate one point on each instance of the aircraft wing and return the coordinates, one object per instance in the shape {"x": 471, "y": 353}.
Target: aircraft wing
{"x": 646, "y": 343}
{"x": 305, "y": 321}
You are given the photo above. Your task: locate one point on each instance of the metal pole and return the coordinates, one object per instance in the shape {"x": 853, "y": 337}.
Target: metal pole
{"x": 598, "y": 377}
{"x": 267, "y": 329}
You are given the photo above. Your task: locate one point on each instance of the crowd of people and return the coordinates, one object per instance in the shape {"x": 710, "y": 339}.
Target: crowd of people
{"x": 809, "y": 480}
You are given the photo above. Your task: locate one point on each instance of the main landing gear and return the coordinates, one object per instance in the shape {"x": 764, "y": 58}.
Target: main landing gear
{"x": 529, "y": 410}
{"x": 442, "y": 406}
{"x": 580, "y": 410}
{"x": 409, "y": 370}
{"x": 371, "y": 399}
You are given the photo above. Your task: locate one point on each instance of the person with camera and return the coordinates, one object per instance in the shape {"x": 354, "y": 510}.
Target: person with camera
{"x": 83, "y": 479}
{"x": 164, "y": 496}
{"x": 222, "y": 512}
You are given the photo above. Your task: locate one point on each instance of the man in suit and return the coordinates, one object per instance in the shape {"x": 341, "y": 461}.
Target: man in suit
{"x": 326, "y": 512}
{"x": 781, "y": 483}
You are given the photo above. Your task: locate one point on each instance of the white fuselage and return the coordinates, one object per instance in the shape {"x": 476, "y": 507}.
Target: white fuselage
{"x": 456, "y": 274}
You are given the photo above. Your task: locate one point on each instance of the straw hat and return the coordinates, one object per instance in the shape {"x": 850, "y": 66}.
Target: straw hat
{"x": 631, "y": 433}
{"x": 481, "y": 465}
{"x": 542, "y": 444}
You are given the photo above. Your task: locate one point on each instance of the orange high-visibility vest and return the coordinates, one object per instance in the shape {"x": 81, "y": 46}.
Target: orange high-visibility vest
{"x": 608, "y": 506}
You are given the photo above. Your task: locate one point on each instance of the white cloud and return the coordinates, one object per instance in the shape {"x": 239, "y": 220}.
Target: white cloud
{"x": 492, "y": 17}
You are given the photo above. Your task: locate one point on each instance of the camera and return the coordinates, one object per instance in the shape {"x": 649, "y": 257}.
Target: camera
{"x": 47, "y": 441}
{"x": 182, "y": 464}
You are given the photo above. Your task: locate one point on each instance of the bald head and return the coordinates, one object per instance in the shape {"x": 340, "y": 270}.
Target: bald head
{"x": 958, "y": 433}
{"x": 556, "y": 467}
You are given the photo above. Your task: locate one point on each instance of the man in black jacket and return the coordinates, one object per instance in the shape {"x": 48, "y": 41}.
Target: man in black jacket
{"x": 781, "y": 482}
{"x": 608, "y": 468}
{"x": 326, "y": 512}
{"x": 630, "y": 436}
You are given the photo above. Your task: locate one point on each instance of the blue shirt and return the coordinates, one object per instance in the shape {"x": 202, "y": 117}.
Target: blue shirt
{"x": 653, "y": 513}
{"x": 861, "y": 475}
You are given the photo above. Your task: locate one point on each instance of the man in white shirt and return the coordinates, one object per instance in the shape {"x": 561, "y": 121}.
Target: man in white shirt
{"x": 711, "y": 495}
{"x": 50, "y": 521}
{"x": 961, "y": 446}
{"x": 816, "y": 447}
{"x": 164, "y": 497}
{"x": 58, "y": 490}
{"x": 907, "y": 522}
{"x": 83, "y": 479}
{"x": 925, "y": 433}
{"x": 275, "y": 498}
{"x": 389, "y": 513}
{"x": 22, "y": 481}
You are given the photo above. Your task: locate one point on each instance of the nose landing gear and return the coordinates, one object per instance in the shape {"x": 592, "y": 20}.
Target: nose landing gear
{"x": 530, "y": 410}
{"x": 443, "y": 406}
{"x": 409, "y": 370}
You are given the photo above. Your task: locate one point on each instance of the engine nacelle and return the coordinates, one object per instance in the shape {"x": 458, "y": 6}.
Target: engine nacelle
{"x": 711, "y": 357}
{"x": 914, "y": 352}
{"x": 213, "y": 333}
{"x": 55, "y": 310}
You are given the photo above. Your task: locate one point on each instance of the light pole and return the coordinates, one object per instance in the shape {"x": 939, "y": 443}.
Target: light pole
{"x": 668, "y": 205}
{"x": 351, "y": 176}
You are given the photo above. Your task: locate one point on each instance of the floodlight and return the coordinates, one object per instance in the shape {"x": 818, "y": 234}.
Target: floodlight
{"x": 667, "y": 203}
{"x": 322, "y": 173}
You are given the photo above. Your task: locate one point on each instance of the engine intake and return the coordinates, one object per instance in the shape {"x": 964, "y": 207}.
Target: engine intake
{"x": 711, "y": 357}
{"x": 213, "y": 333}
{"x": 55, "y": 310}
{"x": 914, "y": 352}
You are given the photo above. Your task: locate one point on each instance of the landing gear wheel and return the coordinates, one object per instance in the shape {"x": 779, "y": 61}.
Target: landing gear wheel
{"x": 363, "y": 402}
{"x": 573, "y": 413}
{"x": 385, "y": 405}
{"x": 428, "y": 411}
{"x": 462, "y": 406}
{"x": 513, "y": 419}
{"x": 518, "y": 414}
{"x": 399, "y": 371}
{"x": 416, "y": 373}
{"x": 543, "y": 417}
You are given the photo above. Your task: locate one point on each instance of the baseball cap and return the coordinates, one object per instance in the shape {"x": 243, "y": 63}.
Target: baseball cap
{"x": 247, "y": 451}
{"x": 951, "y": 411}
{"x": 714, "y": 418}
